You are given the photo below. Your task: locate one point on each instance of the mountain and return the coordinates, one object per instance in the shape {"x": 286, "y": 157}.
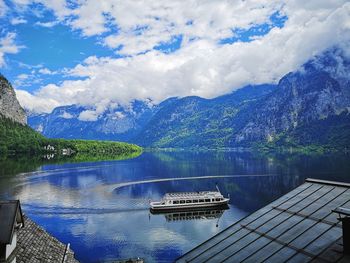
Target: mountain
{"x": 16, "y": 137}
{"x": 307, "y": 107}
{"x": 146, "y": 123}
{"x": 198, "y": 122}
{"x": 9, "y": 106}
{"x": 318, "y": 91}
{"x": 119, "y": 124}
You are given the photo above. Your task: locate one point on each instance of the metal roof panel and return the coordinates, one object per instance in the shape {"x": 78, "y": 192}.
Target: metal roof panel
{"x": 297, "y": 227}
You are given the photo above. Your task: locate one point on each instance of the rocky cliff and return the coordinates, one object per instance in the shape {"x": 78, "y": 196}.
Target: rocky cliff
{"x": 9, "y": 105}
{"x": 319, "y": 90}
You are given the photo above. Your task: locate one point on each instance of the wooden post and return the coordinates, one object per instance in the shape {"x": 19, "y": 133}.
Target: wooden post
{"x": 346, "y": 234}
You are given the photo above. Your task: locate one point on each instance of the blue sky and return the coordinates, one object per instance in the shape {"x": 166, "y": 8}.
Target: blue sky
{"x": 58, "y": 47}
{"x": 103, "y": 53}
{"x": 55, "y": 48}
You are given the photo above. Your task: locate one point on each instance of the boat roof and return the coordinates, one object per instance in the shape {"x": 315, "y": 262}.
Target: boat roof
{"x": 192, "y": 195}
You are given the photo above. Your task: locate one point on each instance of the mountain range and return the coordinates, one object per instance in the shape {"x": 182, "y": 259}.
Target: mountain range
{"x": 119, "y": 124}
{"x": 307, "y": 107}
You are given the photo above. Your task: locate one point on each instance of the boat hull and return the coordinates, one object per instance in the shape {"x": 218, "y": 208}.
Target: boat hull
{"x": 188, "y": 209}
{"x": 184, "y": 207}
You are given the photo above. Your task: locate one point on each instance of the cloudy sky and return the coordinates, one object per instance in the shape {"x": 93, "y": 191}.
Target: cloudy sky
{"x": 109, "y": 52}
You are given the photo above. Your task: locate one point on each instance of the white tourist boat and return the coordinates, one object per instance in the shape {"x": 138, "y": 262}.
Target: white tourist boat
{"x": 190, "y": 200}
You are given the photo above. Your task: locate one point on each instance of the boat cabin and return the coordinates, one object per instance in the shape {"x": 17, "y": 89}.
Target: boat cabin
{"x": 11, "y": 219}
{"x": 192, "y": 198}
{"x": 193, "y": 201}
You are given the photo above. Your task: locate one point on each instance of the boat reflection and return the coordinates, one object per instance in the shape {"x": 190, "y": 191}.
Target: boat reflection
{"x": 195, "y": 214}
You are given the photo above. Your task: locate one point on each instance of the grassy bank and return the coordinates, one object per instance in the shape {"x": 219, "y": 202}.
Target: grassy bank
{"x": 18, "y": 139}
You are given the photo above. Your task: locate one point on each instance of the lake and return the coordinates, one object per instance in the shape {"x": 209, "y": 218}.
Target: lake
{"x": 89, "y": 206}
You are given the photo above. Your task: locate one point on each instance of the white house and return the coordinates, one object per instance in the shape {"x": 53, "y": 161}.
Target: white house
{"x": 11, "y": 219}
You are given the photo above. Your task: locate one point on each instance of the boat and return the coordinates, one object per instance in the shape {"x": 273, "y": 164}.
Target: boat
{"x": 190, "y": 200}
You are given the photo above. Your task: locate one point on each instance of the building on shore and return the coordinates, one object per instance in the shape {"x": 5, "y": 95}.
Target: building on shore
{"x": 23, "y": 241}
{"x": 309, "y": 224}
{"x": 11, "y": 220}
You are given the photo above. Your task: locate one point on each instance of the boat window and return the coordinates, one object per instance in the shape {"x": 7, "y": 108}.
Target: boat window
{"x": 207, "y": 200}
{"x": 175, "y": 202}
{"x": 201, "y": 200}
{"x": 182, "y": 201}
{"x": 195, "y": 201}
{"x": 218, "y": 199}
{"x": 188, "y": 201}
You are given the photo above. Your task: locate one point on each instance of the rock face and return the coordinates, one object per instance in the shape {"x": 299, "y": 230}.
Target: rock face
{"x": 319, "y": 90}
{"x": 9, "y": 105}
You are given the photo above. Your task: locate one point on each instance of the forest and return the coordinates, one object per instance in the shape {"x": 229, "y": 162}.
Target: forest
{"x": 16, "y": 138}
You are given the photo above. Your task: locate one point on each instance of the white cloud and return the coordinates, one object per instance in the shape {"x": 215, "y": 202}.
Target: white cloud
{"x": 46, "y": 71}
{"x": 119, "y": 115}
{"x": 59, "y": 7}
{"x": 200, "y": 67}
{"x": 22, "y": 76}
{"x": 35, "y": 103}
{"x": 144, "y": 24}
{"x": 8, "y": 46}
{"x": 20, "y": 80}
{"x": 88, "y": 115}
{"x": 47, "y": 24}
{"x": 18, "y": 21}
{"x": 3, "y": 8}
{"x": 66, "y": 115}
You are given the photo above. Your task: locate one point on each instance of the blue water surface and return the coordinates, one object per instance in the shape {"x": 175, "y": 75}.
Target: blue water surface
{"x": 89, "y": 206}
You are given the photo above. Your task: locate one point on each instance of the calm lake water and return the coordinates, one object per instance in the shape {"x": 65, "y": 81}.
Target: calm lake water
{"x": 86, "y": 204}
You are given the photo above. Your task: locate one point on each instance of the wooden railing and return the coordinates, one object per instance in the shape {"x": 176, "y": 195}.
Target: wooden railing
{"x": 65, "y": 253}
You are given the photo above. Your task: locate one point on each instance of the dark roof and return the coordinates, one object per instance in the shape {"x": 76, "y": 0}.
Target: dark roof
{"x": 36, "y": 245}
{"x": 10, "y": 214}
{"x": 298, "y": 227}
